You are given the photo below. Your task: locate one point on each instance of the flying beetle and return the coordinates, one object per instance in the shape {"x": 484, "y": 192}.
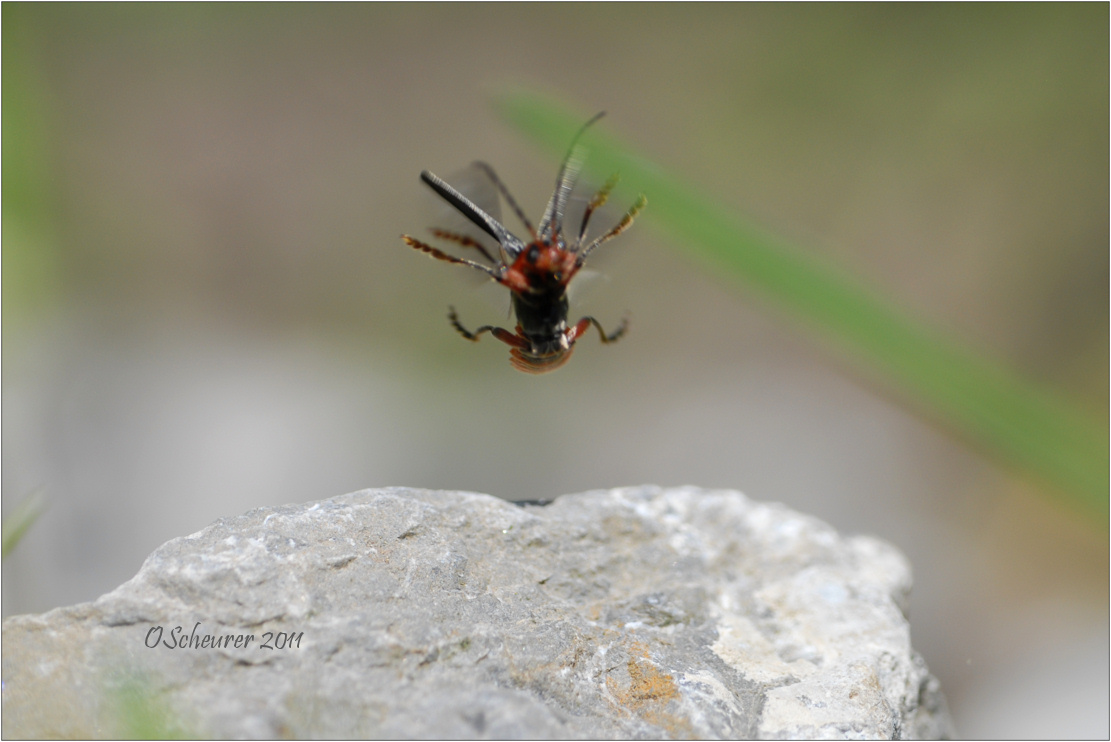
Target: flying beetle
{"x": 537, "y": 272}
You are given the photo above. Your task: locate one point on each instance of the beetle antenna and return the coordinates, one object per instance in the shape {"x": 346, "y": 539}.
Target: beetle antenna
{"x": 465, "y": 241}
{"x": 622, "y": 225}
{"x": 441, "y": 255}
{"x": 597, "y": 202}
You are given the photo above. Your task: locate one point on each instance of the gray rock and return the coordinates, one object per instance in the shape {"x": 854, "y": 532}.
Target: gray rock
{"x": 629, "y": 613}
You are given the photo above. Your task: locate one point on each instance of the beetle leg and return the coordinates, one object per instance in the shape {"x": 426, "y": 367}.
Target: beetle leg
{"x": 584, "y": 324}
{"x": 441, "y": 255}
{"x": 465, "y": 241}
{"x": 502, "y": 334}
{"x": 622, "y": 225}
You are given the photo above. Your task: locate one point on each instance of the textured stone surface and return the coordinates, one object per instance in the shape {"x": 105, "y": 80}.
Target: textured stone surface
{"x": 639, "y": 612}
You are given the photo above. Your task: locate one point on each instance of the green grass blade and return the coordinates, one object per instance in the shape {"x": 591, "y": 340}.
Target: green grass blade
{"x": 1022, "y": 425}
{"x": 17, "y": 523}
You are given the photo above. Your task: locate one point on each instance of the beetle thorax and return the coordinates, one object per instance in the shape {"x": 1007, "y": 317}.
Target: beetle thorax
{"x": 542, "y": 268}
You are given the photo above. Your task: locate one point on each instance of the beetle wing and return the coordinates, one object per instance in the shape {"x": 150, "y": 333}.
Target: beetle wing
{"x": 443, "y": 217}
{"x": 508, "y": 242}
{"x": 551, "y": 224}
{"x": 584, "y": 287}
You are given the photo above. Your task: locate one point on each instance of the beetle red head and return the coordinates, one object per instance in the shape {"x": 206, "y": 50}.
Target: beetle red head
{"x": 540, "y": 267}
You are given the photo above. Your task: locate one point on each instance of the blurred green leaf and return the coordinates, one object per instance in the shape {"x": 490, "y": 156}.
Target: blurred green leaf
{"x": 144, "y": 714}
{"x": 1026, "y": 427}
{"x": 30, "y": 271}
{"x": 17, "y": 523}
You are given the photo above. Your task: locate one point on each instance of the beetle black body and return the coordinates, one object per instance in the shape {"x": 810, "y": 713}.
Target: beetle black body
{"x": 536, "y": 273}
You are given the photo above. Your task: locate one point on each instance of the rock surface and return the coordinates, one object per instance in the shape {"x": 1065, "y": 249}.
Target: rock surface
{"x": 629, "y": 613}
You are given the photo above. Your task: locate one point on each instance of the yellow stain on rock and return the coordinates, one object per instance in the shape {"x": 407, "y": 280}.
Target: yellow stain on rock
{"x": 648, "y": 693}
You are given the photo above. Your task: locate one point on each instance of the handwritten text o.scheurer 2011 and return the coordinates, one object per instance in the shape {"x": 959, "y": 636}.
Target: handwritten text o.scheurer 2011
{"x": 176, "y": 638}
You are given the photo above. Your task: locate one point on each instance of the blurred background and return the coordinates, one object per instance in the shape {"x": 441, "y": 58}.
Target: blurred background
{"x": 207, "y": 308}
